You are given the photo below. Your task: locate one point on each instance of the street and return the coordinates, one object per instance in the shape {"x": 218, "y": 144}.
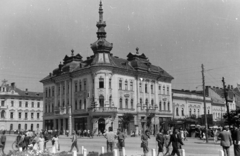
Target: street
{"x": 193, "y": 147}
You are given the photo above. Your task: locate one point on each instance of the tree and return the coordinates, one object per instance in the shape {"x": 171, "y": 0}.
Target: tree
{"x": 126, "y": 119}
{"x": 234, "y": 117}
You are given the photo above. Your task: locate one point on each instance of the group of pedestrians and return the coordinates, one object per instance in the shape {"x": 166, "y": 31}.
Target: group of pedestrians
{"x": 164, "y": 140}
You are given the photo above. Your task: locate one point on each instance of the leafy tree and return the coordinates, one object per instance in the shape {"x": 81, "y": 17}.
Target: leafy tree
{"x": 126, "y": 119}
{"x": 234, "y": 117}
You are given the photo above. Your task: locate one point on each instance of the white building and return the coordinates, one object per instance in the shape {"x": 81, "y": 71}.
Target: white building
{"x": 95, "y": 93}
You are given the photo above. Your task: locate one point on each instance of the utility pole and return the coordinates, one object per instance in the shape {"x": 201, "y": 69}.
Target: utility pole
{"x": 204, "y": 102}
{"x": 226, "y": 95}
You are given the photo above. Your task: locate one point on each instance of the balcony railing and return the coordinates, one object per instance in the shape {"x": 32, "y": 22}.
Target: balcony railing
{"x": 103, "y": 109}
{"x": 126, "y": 109}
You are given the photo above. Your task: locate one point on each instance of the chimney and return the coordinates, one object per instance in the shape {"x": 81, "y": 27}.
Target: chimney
{"x": 13, "y": 84}
{"x": 60, "y": 66}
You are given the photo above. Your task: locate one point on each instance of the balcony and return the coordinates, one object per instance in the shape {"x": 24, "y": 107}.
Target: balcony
{"x": 126, "y": 109}
{"x": 103, "y": 109}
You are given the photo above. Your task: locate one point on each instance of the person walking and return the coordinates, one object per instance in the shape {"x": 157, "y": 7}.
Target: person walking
{"x": 144, "y": 138}
{"x": 55, "y": 144}
{"x": 185, "y": 133}
{"x": 41, "y": 143}
{"x": 121, "y": 141}
{"x": 110, "y": 136}
{"x": 74, "y": 142}
{"x": 236, "y": 141}
{"x": 3, "y": 141}
{"x": 166, "y": 137}
{"x": 160, "y": 141}
{"x": 176, "y": 141}
{"x": 226, "y": 140}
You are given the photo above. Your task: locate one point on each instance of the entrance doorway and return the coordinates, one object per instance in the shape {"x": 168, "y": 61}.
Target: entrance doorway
{"x": 101, "y": 125}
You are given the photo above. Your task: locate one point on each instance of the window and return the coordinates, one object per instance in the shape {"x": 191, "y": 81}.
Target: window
{"x": 110, "y": 100}
{"x": 12, "y": 103}
{"x": 19, "y": 115}
{"x": 164, "y": 105}
{"x": 159, "y": 89}
{"x": 126, "y": 85}
{"x": 20, "y": 103}
{"x": 194, "y": 110}
{"x": 152, "y": 103}
{"x": 46, "y": 92}
{"x": 11, "y": 127}
{"x": 76, "y": 104}
{"x": 52, "y": 91}
{"x": 198, "y": 112}
{"x": 63, "y": 103}
{"x": 190, "y": 111}
{"x": 132, "y": 103}
{"x": 146, "y": 103}
{"x": 168, "y": 106}
{"x": 182, "y": 111}
{"x": 32, "y": 115}
{"x": 101, "y": 101}
{"x": 25, "y": 126}
{"x": 31, "y": 127}
{"x": 141, "y": 102}
{"x": 37, "y": 115}
{"x": 49, "y": 92}
{"x": 85, "y": 104}
{"x": 80, "y": 85}
{"x": 63, "y": 87}
{"x": 140, "y": 87}
{"x": 85, "y": 85}
{"x": 152, "y": 89}
{"x": 110, "y": 83}
{"x": 26, "y": 104}
{"x": 76, "y": 86}
{"x": 167, "y": 90}
{"x": 3, "y": 114}
{"x": 120, "y": 103}
{"x": 177, "y": 112}
{"x": 26, "y": 115}
{"x": 2, "y": 103}
{"x": 131, "y": 85}
{"x": 38, "y": 104}
{"x": 208, "y": 111}
{"x": 146, "y": 88}
{"x": 163, "y": 89}
{"x": 160, "y": 105}
{"x": 59, "y": 89}
{"x": 120, "y": 84}
{"x": 101, "y": 83}
{"x": 19, "y": 126}
{"x": 32, "y": 104}
{"x": 68, "y": 88}
{"x": 11, "y": 115}
{"x": 37, "y": 125}
{"x": 126, "y": 103}
{"x": 80, "y": 104}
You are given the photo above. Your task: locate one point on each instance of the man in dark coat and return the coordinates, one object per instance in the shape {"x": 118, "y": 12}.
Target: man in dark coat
{"x": 236, "y": 140}
{"x": 226, "y": 140}
{"x": 176, "y": 141}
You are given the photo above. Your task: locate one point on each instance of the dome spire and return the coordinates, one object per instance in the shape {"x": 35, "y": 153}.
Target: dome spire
{"x": 101, "y": 24}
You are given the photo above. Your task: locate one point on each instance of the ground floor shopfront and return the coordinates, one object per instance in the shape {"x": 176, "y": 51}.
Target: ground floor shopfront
{"x": 98, "y": 123}
{"x": 13, "y": 125}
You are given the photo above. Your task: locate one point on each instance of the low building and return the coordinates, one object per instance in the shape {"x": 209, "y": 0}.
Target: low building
{"x": 20, "y": 110}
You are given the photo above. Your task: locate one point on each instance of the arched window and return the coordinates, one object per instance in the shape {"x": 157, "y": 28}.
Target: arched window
{"x": 126, "y": 103}
{"x": 177, "y": 111}
{"x": 146, "y": 103}
{"x": 101, "y": 83}
{"x": 3, "y": 113}
{"x": 190, "y": 111}
{"x": 101, "y": 101}
{"x": 152, "y": 88}
{"x": 168, "y": 106}
{"x": 132, "y": 103}
{"x": 80, "y": 85}
{"x": 110, "y": 100}
{"x": 182, "y": 111}
{"x": 164, "y": 105}
{"x": 19, "y": 126}
{"x": 160, "y": 105}
{"x": 120, "y": 103}
{"x": 80, "y": 104}
{"x": 126, "y": 85}
{"x": 37, "y": 126}
{"x": 152, "y": 103}
{"x": 120, "y": 84}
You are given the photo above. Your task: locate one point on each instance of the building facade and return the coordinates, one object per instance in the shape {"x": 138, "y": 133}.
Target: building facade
{"x": 20, "y": 110}
{"x": 189, "y": 104}
{"x": 96, "y": 93}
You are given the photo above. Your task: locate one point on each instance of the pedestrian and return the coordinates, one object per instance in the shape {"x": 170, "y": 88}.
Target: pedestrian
{"x": 46, "y": 138}
{"x": 41, "y": 142}
{"x": 166, "y": 137}
{"x": 226, "y": 140}
{"x": 121, "y": 141}
{"x": 36, "y": 142}
{"x": 160, "y": 141}
{"x": 144, "y": 144}
{"x": 55, "y": 144}
{"x": 176, "y": 141}
{"x": 74, "y": 142}
{"x": 236, "y": 141}
{"x": 215, "y": 135}
{"x": 110, "y": 136}
{"x": 181, "y": 134}
{"x": 3, "y": 141}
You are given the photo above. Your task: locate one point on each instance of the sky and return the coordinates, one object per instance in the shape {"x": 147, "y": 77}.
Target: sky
{"x": 177, "y": 35}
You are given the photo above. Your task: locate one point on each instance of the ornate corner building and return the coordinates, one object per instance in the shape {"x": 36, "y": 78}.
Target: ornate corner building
{"x": 20, "y": 110}
{"x": 95, "y": 93}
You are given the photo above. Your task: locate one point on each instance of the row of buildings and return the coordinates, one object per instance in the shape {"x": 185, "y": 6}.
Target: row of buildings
{"x": 95, "y": 93}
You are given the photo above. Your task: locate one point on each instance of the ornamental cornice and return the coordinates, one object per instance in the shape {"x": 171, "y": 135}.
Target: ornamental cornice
{"x": 194, "y": 106}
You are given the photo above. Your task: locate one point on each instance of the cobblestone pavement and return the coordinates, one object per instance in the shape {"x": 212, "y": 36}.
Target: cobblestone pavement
{"x": 193, "y": 147}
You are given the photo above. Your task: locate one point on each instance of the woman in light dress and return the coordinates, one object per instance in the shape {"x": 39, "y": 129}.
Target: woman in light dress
{"x": 35, "y": 142}
{"x": 55, "y": 143}
{"x": 41, "y": 143}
